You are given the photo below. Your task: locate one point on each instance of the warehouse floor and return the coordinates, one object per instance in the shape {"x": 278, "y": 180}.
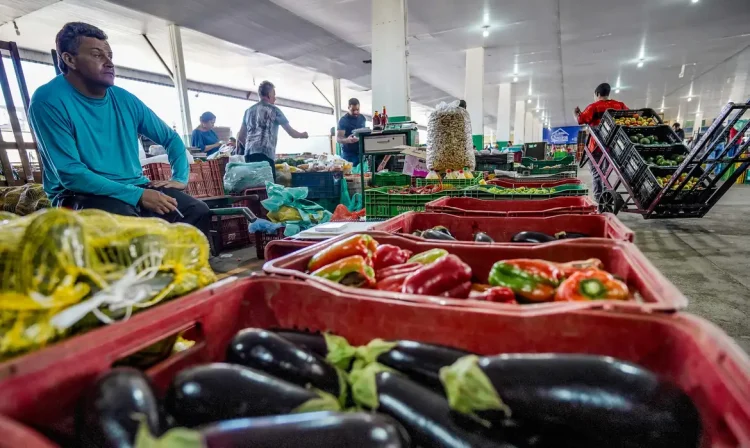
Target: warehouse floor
{"x": 708, "y": 259}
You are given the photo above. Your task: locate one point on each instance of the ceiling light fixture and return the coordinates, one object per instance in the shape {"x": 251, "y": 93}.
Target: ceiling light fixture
{"x": 529, "y": 101}
{"x": 640, "y": 63}
{"x": 486, "y": 18}
{"x": 617, "y": 90}
{"x": 661, "y": 110}
{"x": 694, "y": 1}
{"x": 486, "y": 33}
{"x": 515, "y": 79}
{"x": 690, "y": 98}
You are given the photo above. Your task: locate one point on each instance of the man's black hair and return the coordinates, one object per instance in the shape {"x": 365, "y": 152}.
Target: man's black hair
{"x": 264, "y": 89}
{"x": 68, "y": 40}
{"x": 676, "y": 125}
{"x": 462, "y": 104}
{"x": 353, "y": 102}
{"x": 603, "y": 89}
{"x": 207, "y": 116}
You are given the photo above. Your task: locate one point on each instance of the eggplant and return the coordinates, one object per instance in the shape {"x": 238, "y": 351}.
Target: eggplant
{"x": 597, "y": 401}
{"x": 115, "y": 407}
{"x": 569, "y": 235}
{"x": 219, "y": 391}
{"x": 442, "y": 229}
{"x": 271, "y": 353}
{"x": 427, "y": 416}
{"x": 433, "y": 234}
{"x": 419, "y": 361}
{"x": 313, "y": 342}
{"x": 481, "y": 237}
{"x": 417, "y": 233}
{"x": 313, "y": 429}
{"x": 531, "y": 237}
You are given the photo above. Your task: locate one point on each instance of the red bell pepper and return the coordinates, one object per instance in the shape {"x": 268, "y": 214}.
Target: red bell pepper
{"x": 461, "y": 291}
{"x": 394, "y": 283}
{"x": 406, "y": 268}
{"x": 495, "y": 294}
{"x": 591, "y": 284}
{"x": 533, "y": 280}
{"x": 349, "y": 271}
{"x": 387, "y": 255}
{"x": 446, "y": 275}
{"x": 362, "y": 245}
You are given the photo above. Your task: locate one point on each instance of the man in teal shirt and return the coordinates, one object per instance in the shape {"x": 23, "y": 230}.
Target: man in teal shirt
{"x": 87, "y": 130}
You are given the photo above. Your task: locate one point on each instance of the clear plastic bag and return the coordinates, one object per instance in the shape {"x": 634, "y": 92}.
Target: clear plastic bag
{"x": 241, "y": 176}
{"x": 449, "y": 139}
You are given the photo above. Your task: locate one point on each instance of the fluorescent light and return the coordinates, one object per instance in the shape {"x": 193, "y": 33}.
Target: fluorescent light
{"x": 617, "y": 91}
{"x": 515, "y": 79}
{"x": 694, "y": 1}
{"x": 661, "y": 110}
{"x": 529, "y": 101}
{"x": 485, "y": 33}
{"x": 640, "y": 63}
{"x": 690, "y": 98}
{"x": 486, "y": 18}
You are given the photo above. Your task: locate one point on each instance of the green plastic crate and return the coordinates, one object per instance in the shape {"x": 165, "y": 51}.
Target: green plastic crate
{"x": 458, "y": 183}
{"x": 380, "y": 205}
{"x": 391, "y": 180}
{"x": 562, "y": 190}
{"x": 534, "y": 163}
{"x": 547, "y": 169}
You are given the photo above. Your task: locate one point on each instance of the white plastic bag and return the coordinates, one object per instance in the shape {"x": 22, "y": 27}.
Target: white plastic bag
{"x": 449, "y": 139}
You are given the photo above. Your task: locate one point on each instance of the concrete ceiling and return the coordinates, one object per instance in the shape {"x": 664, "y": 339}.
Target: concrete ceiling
{"x": 560, "y": 49}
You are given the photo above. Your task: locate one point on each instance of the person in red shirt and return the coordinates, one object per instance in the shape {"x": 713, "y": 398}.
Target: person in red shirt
{"x": 591, "y": 116}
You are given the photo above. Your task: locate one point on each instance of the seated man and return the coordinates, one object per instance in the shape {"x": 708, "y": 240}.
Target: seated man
{"x": 87, "y": 130}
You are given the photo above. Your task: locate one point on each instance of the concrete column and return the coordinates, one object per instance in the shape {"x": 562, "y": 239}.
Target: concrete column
{"x": 180, "y": 80}
{"x": 537, "y": 130}
{"x": 503, "y": 115}
{"x": 519, "y": 126}
{"x": 390, "y": 69}
{"x": 528, "y": 134}
{"x": 474, "y": 93}
{"x": 697, "y": 123}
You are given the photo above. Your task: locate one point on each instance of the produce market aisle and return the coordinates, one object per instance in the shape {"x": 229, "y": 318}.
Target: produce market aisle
{"x": 708, "y": 259}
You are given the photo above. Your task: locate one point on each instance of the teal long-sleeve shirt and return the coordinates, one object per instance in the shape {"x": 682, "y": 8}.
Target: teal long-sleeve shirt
{"x": 89, "y": 145}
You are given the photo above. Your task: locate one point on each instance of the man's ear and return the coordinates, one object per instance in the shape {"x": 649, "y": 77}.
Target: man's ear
{"x": 69, "y": 60}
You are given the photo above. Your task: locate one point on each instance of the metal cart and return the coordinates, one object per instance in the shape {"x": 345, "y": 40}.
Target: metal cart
{"x": 706, "y": 161}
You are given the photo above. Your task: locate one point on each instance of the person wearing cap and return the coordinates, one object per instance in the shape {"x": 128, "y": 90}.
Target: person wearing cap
{"x": 204, "y": 136}
{"x": 591, "y": 116}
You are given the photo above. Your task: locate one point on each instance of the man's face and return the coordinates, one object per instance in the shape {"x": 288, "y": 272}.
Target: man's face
{"x": 354, "y": 109}
{"x": 93, "y": 61}
{"x": 272, "y": 96}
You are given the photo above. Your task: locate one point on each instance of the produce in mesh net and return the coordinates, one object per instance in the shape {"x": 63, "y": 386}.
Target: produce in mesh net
{"x": 62, "y": 272}
{"x": 449, "y": 142}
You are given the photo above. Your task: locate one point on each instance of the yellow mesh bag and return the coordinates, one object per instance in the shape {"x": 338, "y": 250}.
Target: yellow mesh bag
{"x": 62, "y": 272}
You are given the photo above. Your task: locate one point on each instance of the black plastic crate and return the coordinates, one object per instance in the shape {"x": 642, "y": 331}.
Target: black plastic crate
{"x": 646, "y": 188}
{"x": 490, "y": 163}
{"x": 632, "y": 166}
{"x": 323, "y": 185}
{"x": 608, "y": 128}
{"x": 621, "y": 147}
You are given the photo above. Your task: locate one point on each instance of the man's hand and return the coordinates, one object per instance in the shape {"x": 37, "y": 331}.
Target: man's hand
{"x": 168, "y": 184}
{"x": 352, "y": 139}
{"x": 303, "y": 135}
{"x": 158, "y": 202}
{"x": 577, "y": 111}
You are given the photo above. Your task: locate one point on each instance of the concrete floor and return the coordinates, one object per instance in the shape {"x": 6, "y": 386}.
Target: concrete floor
{"x": 708, "y": 259}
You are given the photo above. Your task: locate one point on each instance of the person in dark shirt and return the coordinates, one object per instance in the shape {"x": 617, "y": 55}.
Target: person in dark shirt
{"x": 591, "y": 116}
{"x": 204, "y": 136}
{"x": 347, "y": 124}
{"x": 679, "y": 131}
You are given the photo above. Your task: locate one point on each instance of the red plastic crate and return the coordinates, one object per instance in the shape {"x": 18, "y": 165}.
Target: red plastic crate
{"x": 530, "y": 183}
{"x": 502, "y": 229}
{"x": 280, "y": 248}
{"x": 655, "y": 293}
{"x": 255, "y": 206}
{"x": 262, "y": 239}
{"x": 685, "y": 349}
{"x": 15, "y": 435}
{"x": 233, "y": 230}
{"x": 569, "y": 205}
{"x": 205, "y": 179}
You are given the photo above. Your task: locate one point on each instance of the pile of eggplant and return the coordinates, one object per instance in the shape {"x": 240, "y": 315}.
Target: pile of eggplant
{"x": 290, "y": 389}
{"x": 442, "y": 233}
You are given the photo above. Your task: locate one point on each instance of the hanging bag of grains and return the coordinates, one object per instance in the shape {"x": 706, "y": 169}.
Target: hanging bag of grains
{"x": 449, "y": 143}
